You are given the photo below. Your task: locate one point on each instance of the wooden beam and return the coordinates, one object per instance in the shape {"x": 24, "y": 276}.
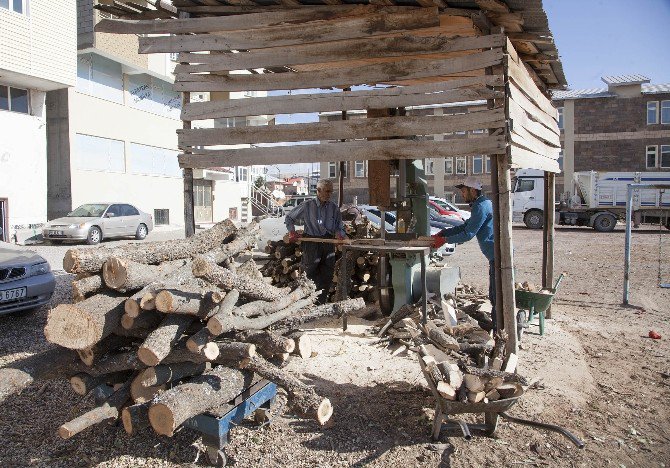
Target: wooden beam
{"x": 464, "y": 89}
{"x": 548, "y": 233}
{"x": 519, "y": 117}
{"x": 523, "y": 137}
{"x": 189, "y": 199}
{"x": 239, "y": 22}
{"x": 537, "y": 38}
{"x": 550, "y": 122}
{"x": 294, "y": 34}
{"x": 367, "y": 74}
{"x": 520, "y": 76}
{"x": 338, "y": 51}
{"x": 346, "y": 151}
{"x": 355, "y": 129}
{"x": 523, "y": 158}
{"x": 496, "y": 6}
{"x": 379, "y": 171}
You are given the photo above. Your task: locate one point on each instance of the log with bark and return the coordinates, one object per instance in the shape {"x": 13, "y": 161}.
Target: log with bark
{"x": 245, "y": 239}
{"x": 159, "y": 342}
{"x": 336, "y": 309}
{"x": 267, "y": 343}
{"x": 199, "y": 302}
{"x": 86, "y": 286}
{"x": 82, "y": 383}
{"x": 81, "y": 325}
{"x": 135, "y": 417}
{"x": 125, "y": 275}
{"x": 227, "y": 280}
{"x": 151, "y": 253}
{"x": 171, "y": 408}
{"x": 304, "y": 400}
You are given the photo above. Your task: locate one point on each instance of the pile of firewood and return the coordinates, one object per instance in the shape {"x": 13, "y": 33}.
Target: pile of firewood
{"x": 363, "y": 268}
{"x": 461, "y": 362}
{"x": 163, "y": 332}
{"x": 283, "y": 265}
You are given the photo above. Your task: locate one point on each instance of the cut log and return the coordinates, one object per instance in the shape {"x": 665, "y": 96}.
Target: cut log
{"x": 151, "y": 253}
{"x": 81, "y": 325}
{"x": 199, "y": 340}
{"x": 493, "y": 395}
{"x": 473, "y": 383}
{"x": 109, "y": 410}
{"x": 125, "y": 275}
{"x": 303, "y": 344}
{"x": 159, "y": 342}
{"x": 335, "y": 309}
{"x": 446, "y": 391}
{"x": 223, "y": 312}
{"x": 476, "y": 397}
{"x": 489, "y": 373}
{"x": 116, "y": 363}
{"x": 509, "y": 390}
{"x": 135, "y": 417}
{"x": 91, "y": 355}
{"x": 227, "y": 280}
{"x": 141, "y": 393}
{"x": 148, "y": 299}
{"x": 235, "y": 351}
{"x": 83, "y": 383}
{"x": 440, "y": 338}
{"x": 250, "y": 269}
{"x": 166, "y": 373}
{"x": 452, "y": 374}
{"x": 267, "y": 343}
{"x": 172, "y": 407}
{"x": 303, "y": 399}
{"x": 218, "y": 325}
{"x": 85, "y": 287}
{"x": 245, "y": 239}
{"x": 46, "y": 365}
{"x": 198, "y": 302}
{"x": 304, "y": 288}
{"x": 147, "y": 320}
{"x": 404, "y": 311}
{"x": 510, "y": 365}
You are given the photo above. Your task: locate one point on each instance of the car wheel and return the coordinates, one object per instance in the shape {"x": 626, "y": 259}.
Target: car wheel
{"x": 94, "y": 236}
{"x": 604, "y": 223}
{"x": 534, "y": 219}
{"x": 142, "y": 232}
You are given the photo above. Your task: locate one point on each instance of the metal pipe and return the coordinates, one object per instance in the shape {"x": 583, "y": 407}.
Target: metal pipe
{"x": 626, "y": 267}
{"x": 550, "y": 427}
{"x": 452, "y": 423}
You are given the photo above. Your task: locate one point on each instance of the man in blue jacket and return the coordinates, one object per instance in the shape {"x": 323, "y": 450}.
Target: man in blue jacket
{"x": 480, "y": 225}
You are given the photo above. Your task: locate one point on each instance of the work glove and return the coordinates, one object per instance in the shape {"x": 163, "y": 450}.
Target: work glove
{"x": 339, "y": 236}
{"x": 438, "y": 241}
{"x": 293, "y": 237}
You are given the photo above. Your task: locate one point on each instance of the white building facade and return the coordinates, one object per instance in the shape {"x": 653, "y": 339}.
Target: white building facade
{"x": 38, "y": 54}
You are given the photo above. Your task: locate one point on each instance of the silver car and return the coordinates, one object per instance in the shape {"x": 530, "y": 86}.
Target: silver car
{"x": 26, "y": 281}
{"x": 96, "y": 221}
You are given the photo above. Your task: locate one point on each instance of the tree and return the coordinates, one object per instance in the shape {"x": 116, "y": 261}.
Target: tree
{"x": 259, "y": 182}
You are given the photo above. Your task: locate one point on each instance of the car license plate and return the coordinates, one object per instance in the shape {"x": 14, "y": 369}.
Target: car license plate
{"x": 56, "y": 233}
{"x": 12, "y": 294}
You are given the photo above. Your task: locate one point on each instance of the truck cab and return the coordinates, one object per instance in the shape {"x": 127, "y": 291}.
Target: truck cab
{"x": 528, "y": 198}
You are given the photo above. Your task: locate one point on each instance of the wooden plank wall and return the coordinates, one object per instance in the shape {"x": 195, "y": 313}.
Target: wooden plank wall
{"x": 533, "y": 126}
{"x": 435, "y": 58}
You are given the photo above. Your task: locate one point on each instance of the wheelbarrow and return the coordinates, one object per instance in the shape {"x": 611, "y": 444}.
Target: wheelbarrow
{"x": 493, "y": 410}
{"x": 534, "y": 303}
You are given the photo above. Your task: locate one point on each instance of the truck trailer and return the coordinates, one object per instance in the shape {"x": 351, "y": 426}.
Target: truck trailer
{"x": 598, "y": 199}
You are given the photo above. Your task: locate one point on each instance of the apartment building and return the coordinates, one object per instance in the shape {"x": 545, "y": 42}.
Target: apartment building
{"x": 441, "y": 174}
{"x": 38, "y": 55}
{"x": 623, "y": 127}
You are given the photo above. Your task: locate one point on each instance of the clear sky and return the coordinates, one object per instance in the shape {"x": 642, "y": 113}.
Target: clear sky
{"x": 594, "y": 38}
{"x": 611, "y": 37}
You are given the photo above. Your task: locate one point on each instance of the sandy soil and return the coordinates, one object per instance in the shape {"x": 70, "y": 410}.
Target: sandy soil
{"x": 598, "y": 374}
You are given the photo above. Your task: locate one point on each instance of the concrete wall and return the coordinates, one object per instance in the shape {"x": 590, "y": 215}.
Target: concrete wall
{"x": 41, "y": 45}
{"x": 23, "y": 170}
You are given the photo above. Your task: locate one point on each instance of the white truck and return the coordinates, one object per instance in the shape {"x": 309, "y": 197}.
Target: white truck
{"x": 598, "y": 199}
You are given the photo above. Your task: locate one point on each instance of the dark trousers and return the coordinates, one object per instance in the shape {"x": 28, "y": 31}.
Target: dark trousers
{"x": 492, "y": 293}
{"x": 318, "y": 261}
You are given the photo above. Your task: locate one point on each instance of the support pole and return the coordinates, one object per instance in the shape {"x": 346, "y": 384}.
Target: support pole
{"x": 548, "y": 233}
{"x": 189, "y": 210}
{"x": 626, "y": 266}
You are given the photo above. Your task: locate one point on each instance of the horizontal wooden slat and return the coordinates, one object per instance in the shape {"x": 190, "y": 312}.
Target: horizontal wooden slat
{"x": 367, "y": 74}
{"x": 523, "y": 80}
{"x": 293, "y": 34}
{"x": 521, "y": 137}
{"x": 519, "y": 117}
{"x": 522, "y": 158}
{"x": 344, "y": 151}
{"x": 338, "y": 51}
{"x": 533, "y": 111}
{"x": 344, "y": 130}
{"x": 465, "y": 89}
{"x": 238, "y": 22}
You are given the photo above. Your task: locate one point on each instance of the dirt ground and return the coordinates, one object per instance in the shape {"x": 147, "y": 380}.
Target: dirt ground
{"x": 598, "y": 373}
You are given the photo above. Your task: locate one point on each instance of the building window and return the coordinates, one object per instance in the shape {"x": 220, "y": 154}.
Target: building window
{"x": 652, "y": 160}
{"x": 665, "y": 112}
{"x": 430, "y": 166}
{"x": 461, "y": 165}
{"x": 665, "y": 156}
{"x": 449, "y": 165}
{"x": 360, "y": 168}
{"x": 99, "y": 154}
{"x": 332, "y": 170}
{"x": 153, "y": 95}
{"x": 560, "y": 118}
{"x": 487, "y": 164}
{"x": 100, "y": 77}
{"x": 152, "y": 160}
{"x": 14, "y": 99}
{"x": 19, "y": 6}
{"x": 560, "y": 160}
{"x": 242, "y": 174}
{"x": 477, "y": 165}
{"x": 161, "y": 216}
{"x": 652, "y": 112}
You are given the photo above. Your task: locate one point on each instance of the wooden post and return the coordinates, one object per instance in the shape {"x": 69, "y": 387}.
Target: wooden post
{"x": 548, "y": 233}
{"x": 379, "y": 172}
{"x": 189, "y": 214}
{"x": 340, "y": 194}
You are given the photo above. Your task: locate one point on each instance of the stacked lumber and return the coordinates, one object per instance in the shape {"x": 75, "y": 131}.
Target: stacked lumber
{"x": 461, "y": 363}
{"x": 173, "y": 330}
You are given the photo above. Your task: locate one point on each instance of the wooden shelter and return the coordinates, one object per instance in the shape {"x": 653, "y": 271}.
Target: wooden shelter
{"x": 413, "y": 52}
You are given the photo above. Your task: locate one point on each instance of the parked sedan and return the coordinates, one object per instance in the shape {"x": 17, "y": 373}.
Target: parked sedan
{"x": 96, "y": 221}
{"x": 26, "y": 281}
{"x": 464, "y": 214}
